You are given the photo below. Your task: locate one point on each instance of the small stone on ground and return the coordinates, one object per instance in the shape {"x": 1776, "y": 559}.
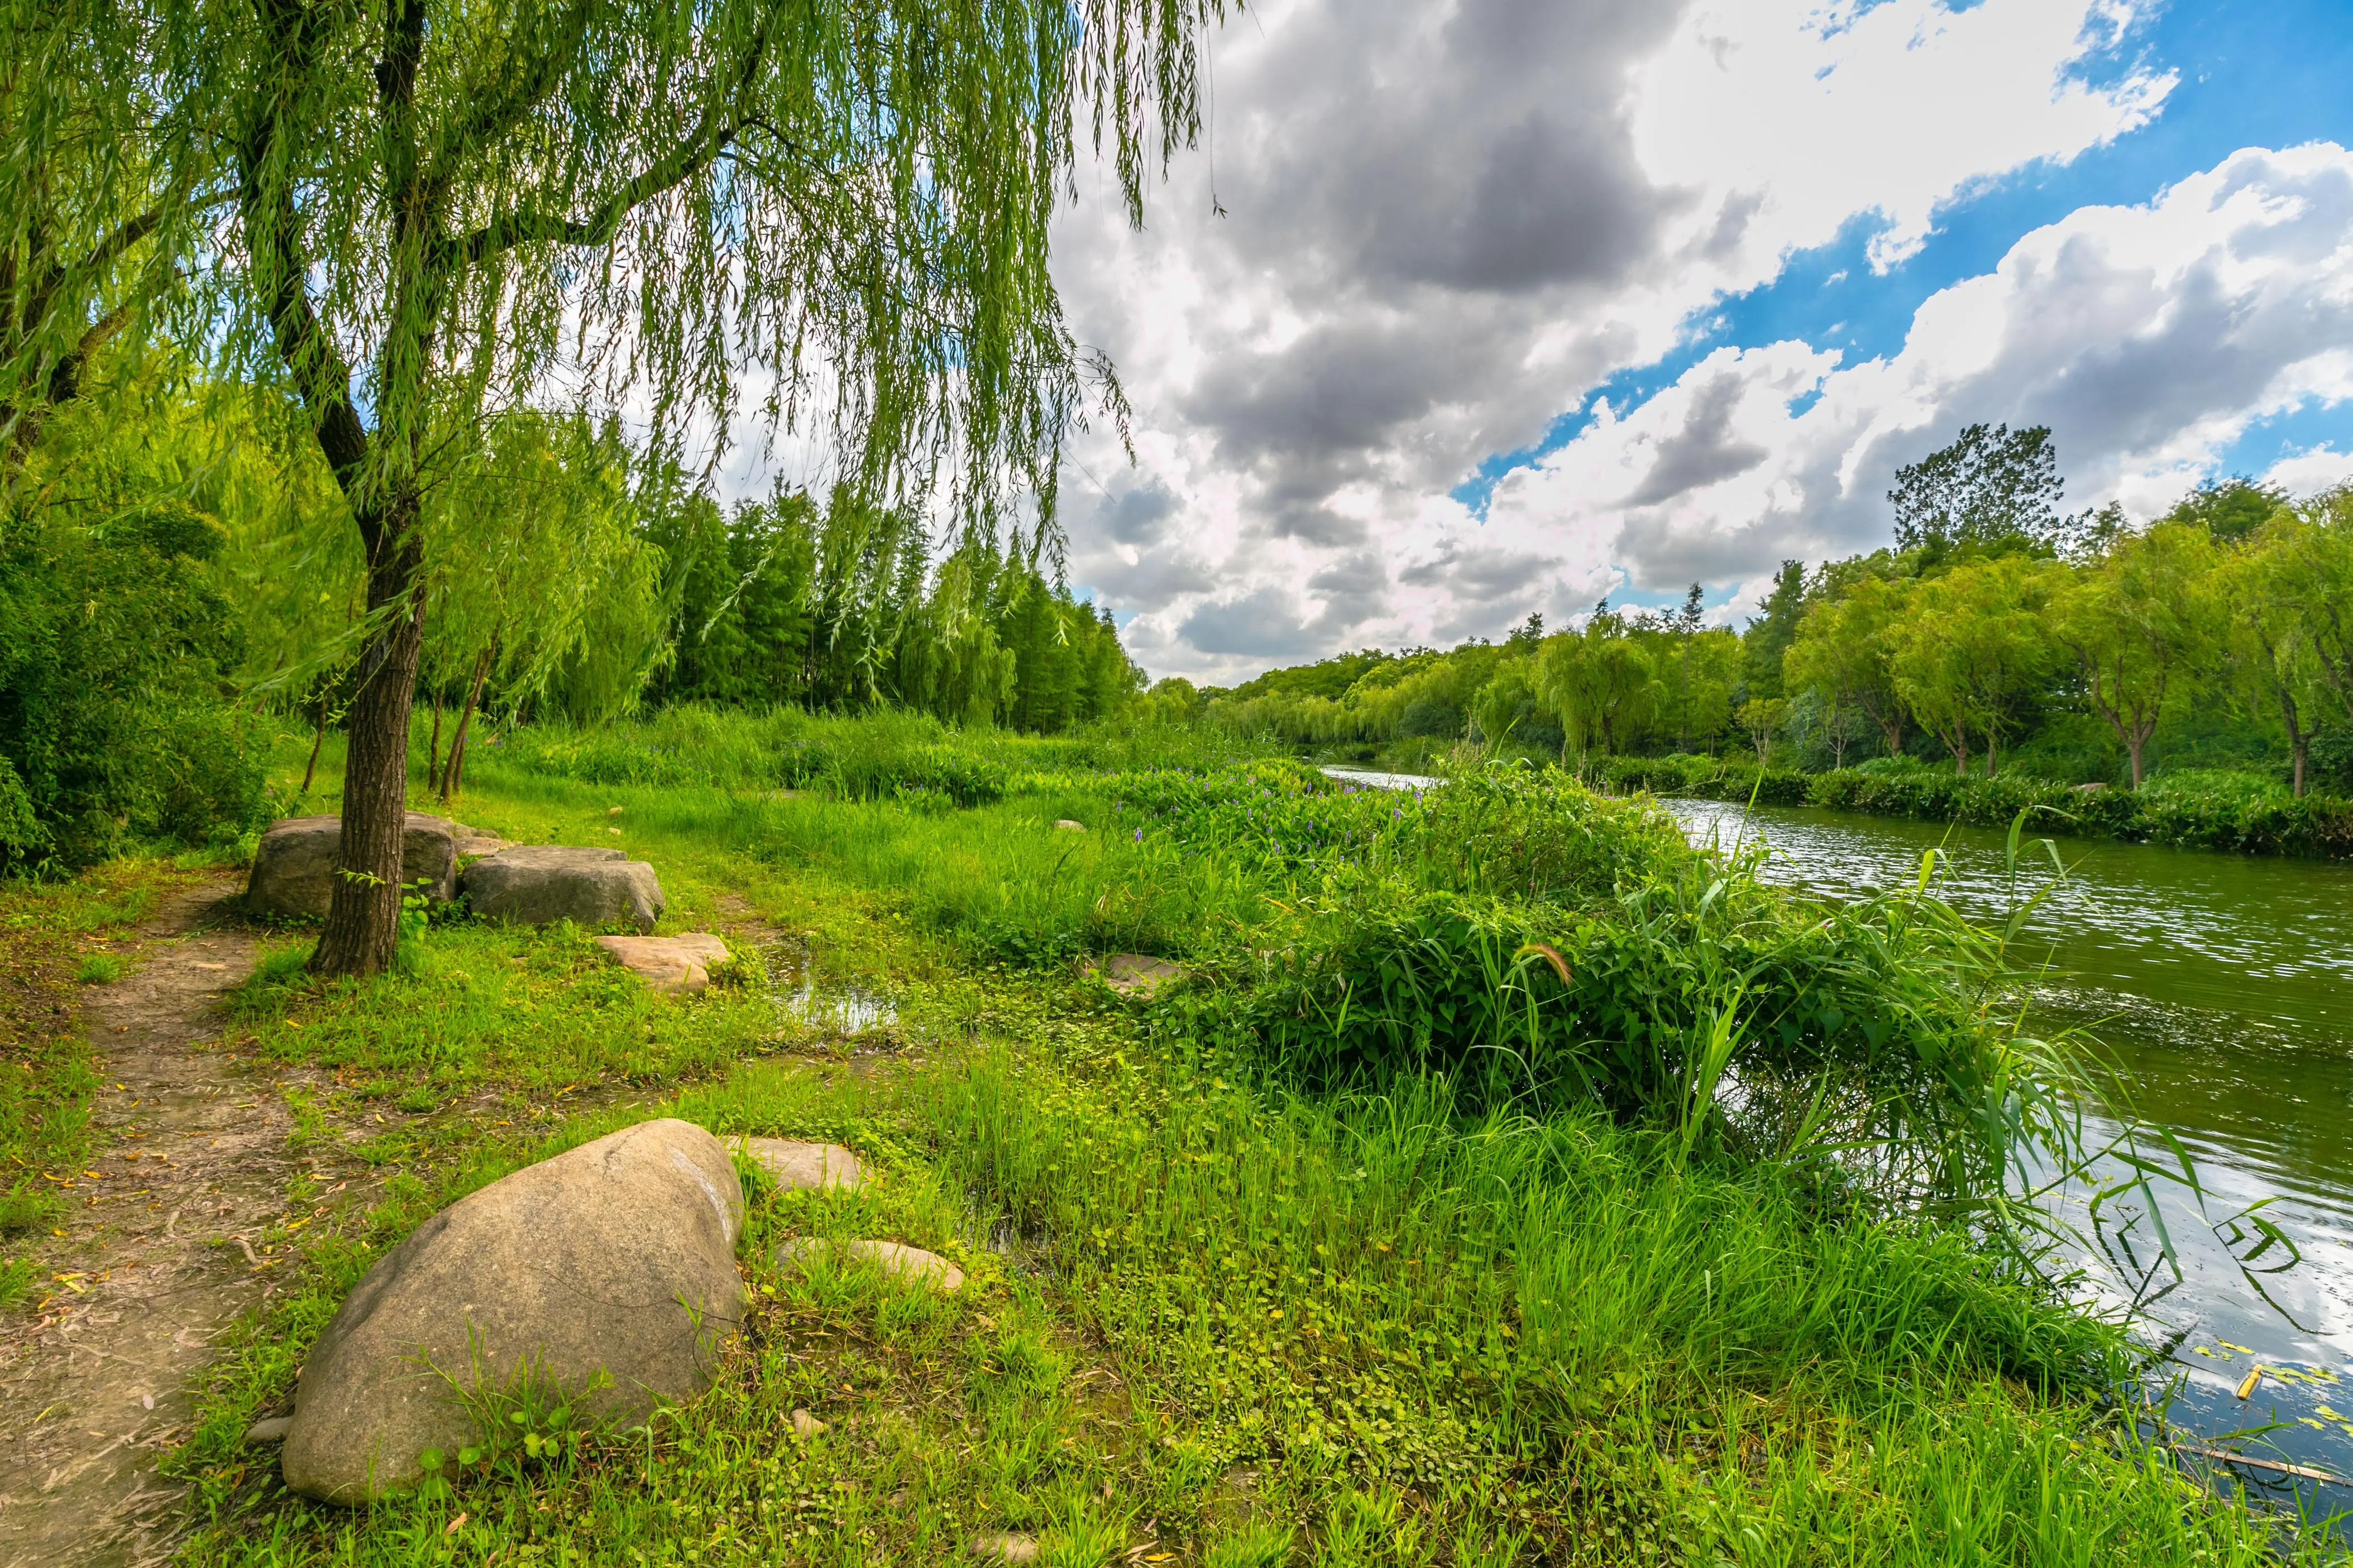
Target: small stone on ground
{"x": 269, "y": 1429}
{"x": 1067, "y": 826}
{"x": 1004, "y": 1546}
{"x": 806, "y": 1424}
{"x": 1139, "y": 974}
{"x": 673, "y": 964}
{"x": 906, "y": 1262}
{"x": 799, "y": 1166}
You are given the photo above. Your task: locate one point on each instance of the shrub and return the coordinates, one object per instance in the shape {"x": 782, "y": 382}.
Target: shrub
{"x": 2204, "y": 809}
{"x": 115, "y": 716}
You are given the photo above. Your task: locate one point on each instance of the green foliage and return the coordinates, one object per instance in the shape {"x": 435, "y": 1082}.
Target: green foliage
{"x": 1426, "y": 1326}
{"x": 1992, "y": 490}
{"x": 1602, "y": 681}
{"x": 115, "y": 655}
{"x": 1766, "y": 644}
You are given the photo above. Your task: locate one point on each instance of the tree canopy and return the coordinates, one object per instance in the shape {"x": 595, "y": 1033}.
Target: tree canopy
{"x": 430, "y": 209}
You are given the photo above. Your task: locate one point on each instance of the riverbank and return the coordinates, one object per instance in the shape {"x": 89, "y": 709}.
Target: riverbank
{"x": 2201, "y": 812}
{"x": 1249, "y": 1284}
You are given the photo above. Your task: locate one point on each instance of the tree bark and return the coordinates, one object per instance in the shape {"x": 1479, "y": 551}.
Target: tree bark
{"x": 453, "y": 774}
{"x": 318, "y": 739}
{"x": 363, "y": 910}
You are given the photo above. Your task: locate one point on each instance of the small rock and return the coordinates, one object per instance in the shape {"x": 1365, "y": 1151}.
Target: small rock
{"x": 269, "y": 1429}
{"x": 799, "y": 1166}
{"x": 294, "y": 865}
{"x": 606, "y": 1275}
{"x": 539, "y": 884}
{"x": 614, "y": 831}
{"x": 1067, "y": 826}
{"x": 1139, "y": 974}
{"x": 806, "y": 1424}
{"x": 905, "y": 1262}
{"x": 673, "y": 964}
{"x": 612, "y": 811}
{"x": 1004, "y": 1546}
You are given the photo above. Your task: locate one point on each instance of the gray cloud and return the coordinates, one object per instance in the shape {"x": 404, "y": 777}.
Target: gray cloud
{"x": 1138, "y": 517}
{"x": 1434, "y": 234}
{"x": 1702, "y": 451}
{"x": 1267, "y": 624}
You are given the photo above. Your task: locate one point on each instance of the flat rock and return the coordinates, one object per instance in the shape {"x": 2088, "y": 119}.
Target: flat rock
{"x": 674, "y": 964}
{"x": 799, "y": 1166}
{"x": 474, "y": 846}
{"x": 1139, "y": 974}
{"x": 1004, "y": 1546}
{"x": 1067, "y": 826}
{"x": 294, "y": 865}
{"x": 604, "y": 1276}
{"x": 904, "y": 1262}
{"x": 269, "y": 1429}
{"x": 540, "y": 884}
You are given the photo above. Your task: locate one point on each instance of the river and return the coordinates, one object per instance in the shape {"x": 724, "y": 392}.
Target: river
{"x": 2221, "y": 985}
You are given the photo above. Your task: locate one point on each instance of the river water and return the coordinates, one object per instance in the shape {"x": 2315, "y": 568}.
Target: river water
{"x": 2221, "y": 986}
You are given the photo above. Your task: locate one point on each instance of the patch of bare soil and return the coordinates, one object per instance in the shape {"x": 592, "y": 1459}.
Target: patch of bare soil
{"x": 156, "y": 1261}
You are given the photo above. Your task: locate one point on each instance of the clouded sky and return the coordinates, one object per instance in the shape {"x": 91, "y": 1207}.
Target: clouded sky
{"x": 1514, "y": 304}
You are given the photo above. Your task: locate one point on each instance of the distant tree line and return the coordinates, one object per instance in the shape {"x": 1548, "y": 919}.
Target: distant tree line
{"x": 1997, "y": 632}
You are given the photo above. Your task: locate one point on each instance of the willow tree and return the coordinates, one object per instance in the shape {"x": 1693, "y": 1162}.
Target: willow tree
{"x": 98, "y": 189}
{"x": 822, "y": 212}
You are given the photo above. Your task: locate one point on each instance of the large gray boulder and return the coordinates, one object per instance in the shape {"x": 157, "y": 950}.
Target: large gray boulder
{"x": 604, "y": 1276}
{"x": 294, "y": 866}
{"x": 539, "y": 884}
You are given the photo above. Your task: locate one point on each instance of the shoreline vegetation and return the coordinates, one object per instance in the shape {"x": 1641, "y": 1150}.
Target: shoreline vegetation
{"x": 1506, "y": 1182}
{"x": 2195, "y": 809}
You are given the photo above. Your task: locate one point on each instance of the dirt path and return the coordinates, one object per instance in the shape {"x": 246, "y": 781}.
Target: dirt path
{"x": 95, "y": 1387}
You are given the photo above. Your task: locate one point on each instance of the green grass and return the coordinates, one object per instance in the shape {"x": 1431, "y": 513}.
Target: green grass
{"x": 1212, "y": 1314}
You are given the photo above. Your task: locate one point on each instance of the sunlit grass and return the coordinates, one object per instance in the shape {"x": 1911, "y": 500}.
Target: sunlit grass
{"x": 1209, "y": 1316}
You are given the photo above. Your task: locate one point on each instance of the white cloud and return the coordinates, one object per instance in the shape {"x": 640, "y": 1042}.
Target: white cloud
{"x": 2149, "y": 337}
{"x": 1819, "y": 112}
{"x": 2309, "y": 472}
{"x": 1446, "y": 224}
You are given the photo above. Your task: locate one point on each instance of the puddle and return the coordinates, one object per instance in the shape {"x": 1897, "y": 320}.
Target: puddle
{"x": 843, "y": 1010}
{"x": 830, "y": 1008}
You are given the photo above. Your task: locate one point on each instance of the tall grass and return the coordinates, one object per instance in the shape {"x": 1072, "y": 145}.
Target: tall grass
{"x": 1235, "y": 1306}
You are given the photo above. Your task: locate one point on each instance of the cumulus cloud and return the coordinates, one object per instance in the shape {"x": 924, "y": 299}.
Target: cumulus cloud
{"x": 2148, "y": 337}
{"x": 1421, "y": 232}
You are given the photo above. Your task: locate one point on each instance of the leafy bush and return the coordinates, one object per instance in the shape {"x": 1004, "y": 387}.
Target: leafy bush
{"x": 1513, "y": 831}
{"x": 1706, "y": 778}
{"x": 2205, "y": 808}
{"x": 1647, "y": 1003}
{"x": 115, "y": 716}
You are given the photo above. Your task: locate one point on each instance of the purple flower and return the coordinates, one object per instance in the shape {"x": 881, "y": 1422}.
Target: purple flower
{"x": 1139, "y": 836}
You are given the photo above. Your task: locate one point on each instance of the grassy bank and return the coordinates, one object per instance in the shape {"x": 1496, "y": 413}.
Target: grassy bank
{"x": 1412, "y": 1228}
{"x": 2204, "y": 809}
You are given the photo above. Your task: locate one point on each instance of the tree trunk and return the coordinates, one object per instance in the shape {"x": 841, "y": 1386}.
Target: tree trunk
{"x": 433, "y": 745}
{"x": 2133, "y": 744}
{"x": 2299, "y": 745}
{"x": 455, "y": 774}
{"x": 363, "y": 910}
{"x": 318, "y": 739}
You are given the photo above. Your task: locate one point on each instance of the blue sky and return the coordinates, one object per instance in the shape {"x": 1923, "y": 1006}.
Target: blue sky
{"x": 1465, "y": 347}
